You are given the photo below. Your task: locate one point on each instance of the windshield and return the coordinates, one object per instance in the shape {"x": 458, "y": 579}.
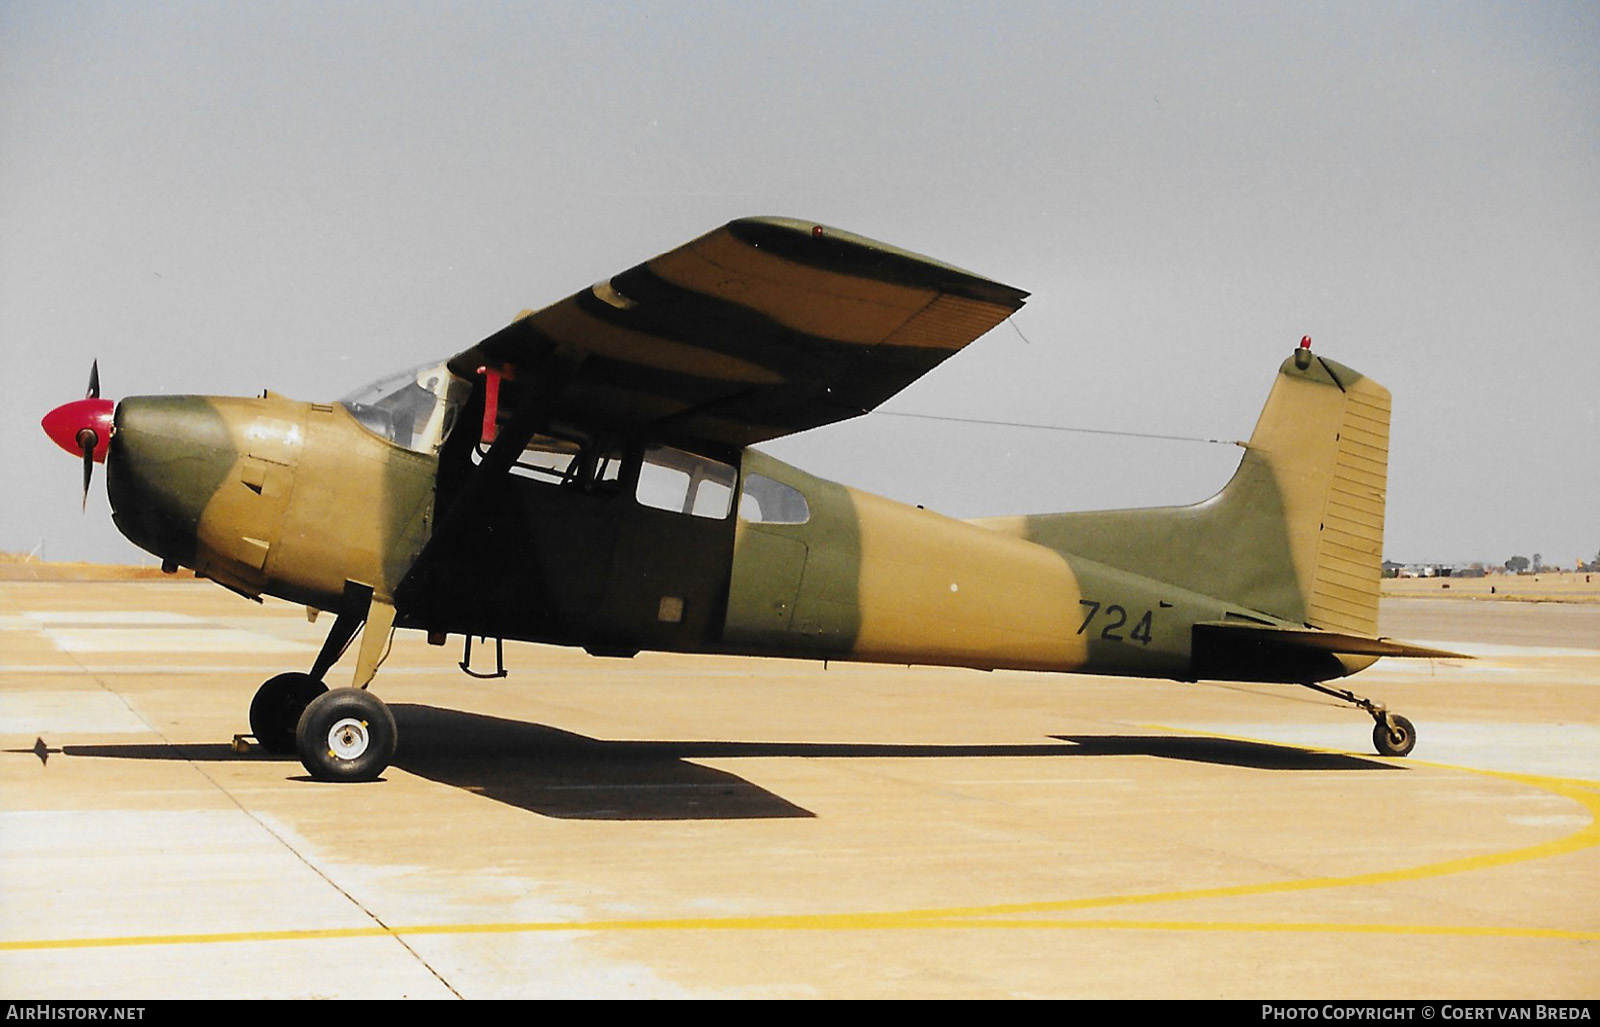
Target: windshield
{"x": 414, "y": 408}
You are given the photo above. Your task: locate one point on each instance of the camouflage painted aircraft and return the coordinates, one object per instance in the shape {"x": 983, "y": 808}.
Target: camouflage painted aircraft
{"x": 584, "y": 477}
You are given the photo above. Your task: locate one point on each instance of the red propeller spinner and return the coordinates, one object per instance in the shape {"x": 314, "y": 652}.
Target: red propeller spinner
{"x": 83, "y": 427}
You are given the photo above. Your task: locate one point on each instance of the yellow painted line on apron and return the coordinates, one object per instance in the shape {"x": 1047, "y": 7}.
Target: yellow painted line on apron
{"x": 1585, "y": 793}
{"x": 1271, "y": 926}
{"x": 910, "y": 920}
{"x": 998, "y": 916}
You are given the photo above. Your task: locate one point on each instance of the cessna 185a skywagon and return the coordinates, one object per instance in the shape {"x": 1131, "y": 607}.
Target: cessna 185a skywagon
{"x": 584, "y": 477}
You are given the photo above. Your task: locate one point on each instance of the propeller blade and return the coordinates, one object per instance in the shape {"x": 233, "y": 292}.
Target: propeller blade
{"x": 84, "y": 427}
{"x": 88, "y": 468}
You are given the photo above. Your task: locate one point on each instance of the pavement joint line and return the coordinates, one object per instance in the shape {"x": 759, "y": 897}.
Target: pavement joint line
{"x": 381, "y": 930}
{"x": 994, "y": 916}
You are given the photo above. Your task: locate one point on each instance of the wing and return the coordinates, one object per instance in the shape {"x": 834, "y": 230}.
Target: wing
{"x": 762, "y": 328}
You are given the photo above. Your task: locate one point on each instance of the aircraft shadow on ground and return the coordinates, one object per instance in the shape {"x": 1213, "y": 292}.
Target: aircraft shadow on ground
{"x": 567, "y": 775}
{"x": 1229, "y": 752}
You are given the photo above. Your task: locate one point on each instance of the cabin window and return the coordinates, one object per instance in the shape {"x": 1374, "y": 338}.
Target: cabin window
{"x": 765, "y": 501}
{"x": 564, "y": 460}
{"x": 608, "y": 470}
{"x": 670, "y": 479}
{"x": 548, "y": 458}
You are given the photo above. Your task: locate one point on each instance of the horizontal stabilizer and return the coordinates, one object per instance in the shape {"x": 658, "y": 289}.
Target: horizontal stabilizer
{"x": 1321, "y": 641}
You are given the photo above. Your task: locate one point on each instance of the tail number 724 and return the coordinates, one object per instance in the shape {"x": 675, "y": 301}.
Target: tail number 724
{"x": 1113, "y": 621}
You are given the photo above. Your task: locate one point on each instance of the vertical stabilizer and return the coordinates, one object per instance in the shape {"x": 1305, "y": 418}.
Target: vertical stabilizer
{"x": 1296, "y": 534}
{"x": 1324, "y": 438}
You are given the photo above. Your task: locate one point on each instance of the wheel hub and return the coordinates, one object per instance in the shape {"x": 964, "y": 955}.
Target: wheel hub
{"x": 348, "y": 739}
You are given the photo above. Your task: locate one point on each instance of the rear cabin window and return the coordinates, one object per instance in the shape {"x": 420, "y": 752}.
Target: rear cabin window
{"x": 764, "y": 501}
{"x": 671, "y": 479}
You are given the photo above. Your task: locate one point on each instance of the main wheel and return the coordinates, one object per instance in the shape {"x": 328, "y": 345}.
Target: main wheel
{"x": 1398, "y": 742}
{"x": 275, "y": 711}
{"x": 346, "y": 735}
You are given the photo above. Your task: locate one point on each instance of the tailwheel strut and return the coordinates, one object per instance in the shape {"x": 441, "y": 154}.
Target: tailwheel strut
{"x": 1392, "y": 734}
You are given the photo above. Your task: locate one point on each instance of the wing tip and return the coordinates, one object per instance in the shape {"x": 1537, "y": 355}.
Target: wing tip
{"x": 821, "y": 245}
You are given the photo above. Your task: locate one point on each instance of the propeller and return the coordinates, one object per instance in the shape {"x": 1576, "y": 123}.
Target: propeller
{"x": 83, "y": 427}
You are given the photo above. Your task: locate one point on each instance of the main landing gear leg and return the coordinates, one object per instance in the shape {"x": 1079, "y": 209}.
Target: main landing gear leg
{"x": 1392, "y": 734}
{"x": 349, "y": 734}
{"x": 275, "y": 711}
{"x": 346, "y": 734}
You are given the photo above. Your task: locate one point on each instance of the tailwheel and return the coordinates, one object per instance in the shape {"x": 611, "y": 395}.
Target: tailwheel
{"x": 1393, "y": 735}
{"x": 347, "y": 734}
{"x": 275, "y": 711}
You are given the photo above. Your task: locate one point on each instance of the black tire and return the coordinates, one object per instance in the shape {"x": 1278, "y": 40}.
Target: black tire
{"x": 276, "y": 709}
{"x": 1398, "y": 742}
{"x": 346, "y": 735}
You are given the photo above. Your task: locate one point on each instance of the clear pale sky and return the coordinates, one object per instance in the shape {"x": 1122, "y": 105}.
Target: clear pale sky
{"x": 221, "y": 198}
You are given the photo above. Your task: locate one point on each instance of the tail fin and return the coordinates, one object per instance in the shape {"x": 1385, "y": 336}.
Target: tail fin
{"x": 1324, "y": 437}
{"x": 1296, "y": 534}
